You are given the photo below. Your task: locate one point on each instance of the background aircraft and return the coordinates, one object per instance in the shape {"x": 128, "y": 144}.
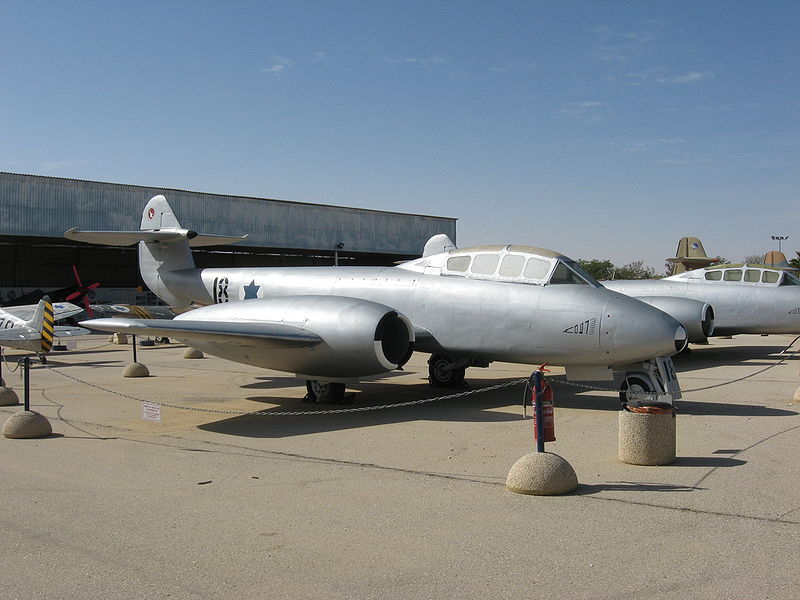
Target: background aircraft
{"x": 741, "y": 298}
{"x": 332, "y": 325}
{"x": 36, "y": 333}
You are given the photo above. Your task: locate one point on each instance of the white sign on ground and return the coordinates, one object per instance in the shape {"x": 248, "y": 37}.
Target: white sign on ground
{"x": 151, "y": 412}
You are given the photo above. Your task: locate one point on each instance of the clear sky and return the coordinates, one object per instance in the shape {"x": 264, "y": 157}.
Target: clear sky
{"x": 599, "y": 129}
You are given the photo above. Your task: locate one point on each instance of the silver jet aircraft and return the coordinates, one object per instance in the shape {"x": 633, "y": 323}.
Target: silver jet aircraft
{"x": 743, "y": 298}
{"x": 334, "y": 325}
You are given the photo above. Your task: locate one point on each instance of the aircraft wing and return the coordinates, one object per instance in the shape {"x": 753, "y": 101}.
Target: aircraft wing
{"x": 244, "y": 332}
{"x": 61, "y": 310}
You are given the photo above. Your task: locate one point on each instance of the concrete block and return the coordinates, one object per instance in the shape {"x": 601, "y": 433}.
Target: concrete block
{"x": 646, "y": 439}
{"x": 541, "y": 474}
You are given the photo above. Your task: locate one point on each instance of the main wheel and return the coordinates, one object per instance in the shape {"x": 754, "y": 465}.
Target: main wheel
{"x": 441, "y": 375}
{"x": 325, "y": 392}
{"x": 637, "y": 383}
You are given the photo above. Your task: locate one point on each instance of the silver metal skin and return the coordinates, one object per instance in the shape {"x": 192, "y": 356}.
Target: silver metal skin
{"x": 338, "y": 324}
{"x": 21, "y": 326}
{"x": 769, "y": 303}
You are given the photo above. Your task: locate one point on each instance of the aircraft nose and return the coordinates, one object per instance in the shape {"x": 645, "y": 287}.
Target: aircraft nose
{"x": 632, "y": 331}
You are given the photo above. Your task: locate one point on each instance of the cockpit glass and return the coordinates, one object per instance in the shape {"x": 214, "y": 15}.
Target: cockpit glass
{"x": 752, "y": 275}
{"x": 571, "y": 273}
{"x": 536, "y": 269}
{"x": 714, "y": 275}
{"x": 458, "y": 263}
{"x": 770, "y": 277}
{"x": 511, "y": 265}
{"x": 732, "y": 275}
{"x": 485, "y": 264}
{"x": 790, "y": 279}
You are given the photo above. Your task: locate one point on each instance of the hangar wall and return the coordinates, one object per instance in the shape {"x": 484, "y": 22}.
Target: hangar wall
{"x": 36, "y": 210}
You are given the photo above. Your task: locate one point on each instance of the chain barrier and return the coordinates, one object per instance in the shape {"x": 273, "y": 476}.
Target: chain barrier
{"x": 267, "y": 413}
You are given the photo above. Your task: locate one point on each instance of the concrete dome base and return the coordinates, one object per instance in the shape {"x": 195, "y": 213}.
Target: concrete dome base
{"x": 27, "y": 424}
{"x": 8, "y": 397}
{"x": 135, "y": 370}
{"x": 797, "y": 394}
{"x": 541, "y": 474}
{"x": 192, "y": 353}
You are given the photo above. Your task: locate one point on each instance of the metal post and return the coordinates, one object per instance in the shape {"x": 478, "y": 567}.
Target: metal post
{"x": 26, "y": 371}
{"x": 133, "y": 337}
{"x": 538, "y": 389}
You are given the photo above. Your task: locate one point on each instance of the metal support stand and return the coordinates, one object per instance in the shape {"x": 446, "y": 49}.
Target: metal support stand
{"x": 26, "y": 375}
{"x": 27, "y": 423}
{"x": 538, "y": 389}
{"x": 135, "y": 369}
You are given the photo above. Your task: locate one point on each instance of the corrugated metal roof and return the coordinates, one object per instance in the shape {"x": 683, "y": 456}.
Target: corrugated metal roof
{"x": 35, "y": 205}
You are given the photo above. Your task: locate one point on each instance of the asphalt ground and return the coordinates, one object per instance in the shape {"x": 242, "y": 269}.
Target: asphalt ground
{"x": 406, "y": 502}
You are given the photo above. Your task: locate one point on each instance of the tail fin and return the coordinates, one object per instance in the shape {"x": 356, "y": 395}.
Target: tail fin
{"x": 437, "y": 245}
{"x": 164, "y": 247}
{"x": 43, "y": 322}
{"x": 689, "y": 255}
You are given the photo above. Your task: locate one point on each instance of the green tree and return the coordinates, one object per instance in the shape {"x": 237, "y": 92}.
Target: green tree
{"x": 601, "y": 270}
{"x": 635, "y": 270}
{"x": 795, "y": 262}
{"x": 754, "y": 259}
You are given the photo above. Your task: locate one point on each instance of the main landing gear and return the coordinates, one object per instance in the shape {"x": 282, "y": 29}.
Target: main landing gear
{"x": 324, "y": 392}
{"x": 446, "y": 372}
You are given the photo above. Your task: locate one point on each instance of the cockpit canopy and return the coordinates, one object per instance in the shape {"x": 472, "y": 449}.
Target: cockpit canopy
{"x": 518, "y": 264}
{"x": 741, "y": 274}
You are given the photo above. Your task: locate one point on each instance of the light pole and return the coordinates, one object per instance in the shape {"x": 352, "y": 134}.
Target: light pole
{"x": 339, "y": 246}
{"x": 780, "y": 238}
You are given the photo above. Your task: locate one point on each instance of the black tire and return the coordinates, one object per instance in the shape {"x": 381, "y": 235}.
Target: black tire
{"x": 325, "y": 392}
{"x": 637, "y": 383}
{"x": 439, "y": 375}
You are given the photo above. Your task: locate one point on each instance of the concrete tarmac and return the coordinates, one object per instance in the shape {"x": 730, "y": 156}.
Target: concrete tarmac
{"x": 405, "y": 502}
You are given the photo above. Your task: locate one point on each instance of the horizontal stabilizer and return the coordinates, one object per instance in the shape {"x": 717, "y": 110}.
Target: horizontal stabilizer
{"x": 64, "y": 331}
{"x": 19, "y": 334}
{"x": 239, "y": 331}
{"x": 128, "y": 238}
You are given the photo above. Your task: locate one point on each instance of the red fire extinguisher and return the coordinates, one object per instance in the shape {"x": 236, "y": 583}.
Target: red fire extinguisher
{"x": 541, "y": 390}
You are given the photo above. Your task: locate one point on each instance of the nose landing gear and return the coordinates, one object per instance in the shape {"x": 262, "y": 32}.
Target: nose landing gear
{"x": 651, "y": 381}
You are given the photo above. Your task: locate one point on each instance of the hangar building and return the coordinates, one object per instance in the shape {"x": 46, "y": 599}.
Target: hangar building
{"x": 35, "y": 212}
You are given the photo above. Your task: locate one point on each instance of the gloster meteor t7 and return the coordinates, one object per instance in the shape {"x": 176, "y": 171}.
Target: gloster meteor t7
{"x": 334, "y": 325}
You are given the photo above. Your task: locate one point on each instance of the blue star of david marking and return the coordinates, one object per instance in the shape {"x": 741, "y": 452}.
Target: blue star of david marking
{"x": 251, "y": 291}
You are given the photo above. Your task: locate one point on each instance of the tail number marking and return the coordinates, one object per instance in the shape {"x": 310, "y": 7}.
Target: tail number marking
{"x": 584, "y": 328}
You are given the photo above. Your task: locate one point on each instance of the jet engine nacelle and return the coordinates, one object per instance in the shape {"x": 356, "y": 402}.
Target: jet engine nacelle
{"x": 356, "y": 338}
{"x": 697, "y": 317}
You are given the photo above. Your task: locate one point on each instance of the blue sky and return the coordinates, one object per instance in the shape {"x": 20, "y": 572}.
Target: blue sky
{"x": 598, "y": 129}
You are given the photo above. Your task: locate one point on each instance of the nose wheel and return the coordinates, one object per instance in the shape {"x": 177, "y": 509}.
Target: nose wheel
{"x": 636, "y": 383}
{"x": 444, "y": 372}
